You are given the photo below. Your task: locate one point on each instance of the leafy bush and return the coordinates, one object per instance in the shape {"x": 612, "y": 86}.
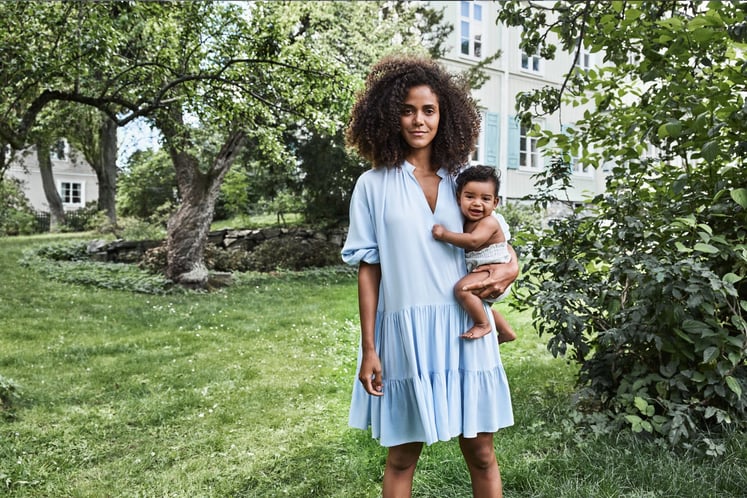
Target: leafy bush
{"x": 16, "y": 215}
{"x": 155, "y": 260}
{"x": 63, "y": 251}
{"x": 219, "y": 259}
{"x": 137, "y": 229}
{"x": 646, "y": 288}
{"x": 68, "y": 262}
{"x": 10, "y": 394}
{"x": 85, "y": 218}
{"x": 146, "y": 183}
{"x": 292, "y": 253}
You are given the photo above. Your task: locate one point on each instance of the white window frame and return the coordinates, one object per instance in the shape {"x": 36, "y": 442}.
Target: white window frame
{"x": 474, "y": 21}
{"x": 478, "y": 155}
{"x": 585, "y": 60}
{"x": 531, "y": 63}
{"x": 68, "y": 196}
{"x": 530, "y": 158}
{"x": 580, "y": 169}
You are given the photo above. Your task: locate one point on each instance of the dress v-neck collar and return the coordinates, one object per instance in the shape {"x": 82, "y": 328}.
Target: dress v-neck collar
{"x": 441, "y": 173}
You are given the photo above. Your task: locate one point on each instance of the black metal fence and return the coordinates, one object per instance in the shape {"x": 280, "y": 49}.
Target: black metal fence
{"x": 75, "y": 221}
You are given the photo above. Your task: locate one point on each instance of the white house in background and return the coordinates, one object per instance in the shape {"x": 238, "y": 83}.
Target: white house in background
{"x": 503, "y": 142}
{"x": 74, "y": 178}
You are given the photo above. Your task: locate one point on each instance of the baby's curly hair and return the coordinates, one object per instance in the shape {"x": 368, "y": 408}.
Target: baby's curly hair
{"x": 479, "y": 173}
{"x": 374, "y": 127}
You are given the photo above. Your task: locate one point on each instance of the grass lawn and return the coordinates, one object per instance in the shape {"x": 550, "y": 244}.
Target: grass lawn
{"x": 244, "y": 392}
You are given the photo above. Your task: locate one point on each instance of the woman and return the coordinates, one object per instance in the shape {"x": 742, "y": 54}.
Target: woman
{"x": 419, "y": 381}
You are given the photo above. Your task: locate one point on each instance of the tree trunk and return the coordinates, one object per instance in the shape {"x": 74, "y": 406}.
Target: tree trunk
{"x": 188, "y": 227}
{"x": 56, "y": 211}
{"x": 107, "y": 169}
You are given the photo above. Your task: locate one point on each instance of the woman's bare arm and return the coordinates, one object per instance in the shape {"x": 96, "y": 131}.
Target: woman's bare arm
{"x": 369, "y": 278}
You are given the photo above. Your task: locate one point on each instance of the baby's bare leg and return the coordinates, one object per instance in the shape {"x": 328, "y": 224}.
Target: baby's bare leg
{"x": 473, "y": 306}
{"x": 505, "y": 331}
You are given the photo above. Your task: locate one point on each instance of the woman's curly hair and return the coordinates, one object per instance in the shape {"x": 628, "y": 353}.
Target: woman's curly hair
{"x": 374, "y": 127}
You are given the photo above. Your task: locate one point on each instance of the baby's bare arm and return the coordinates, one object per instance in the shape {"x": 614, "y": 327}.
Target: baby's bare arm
{"x": 484, "y": 233}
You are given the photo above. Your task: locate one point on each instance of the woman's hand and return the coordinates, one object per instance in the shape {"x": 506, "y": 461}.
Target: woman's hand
{"x": 500, "y": 276}
{"x": 370, "y": 374}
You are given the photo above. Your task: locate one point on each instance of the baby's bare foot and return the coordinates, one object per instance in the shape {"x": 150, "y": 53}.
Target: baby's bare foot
{"x": 478, "y": 330}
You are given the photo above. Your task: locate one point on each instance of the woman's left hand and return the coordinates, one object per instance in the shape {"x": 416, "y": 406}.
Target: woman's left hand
{"x": 500, "y": 276}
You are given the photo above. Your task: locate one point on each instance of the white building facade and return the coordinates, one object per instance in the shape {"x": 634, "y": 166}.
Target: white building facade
{"x": 74, "y": 178}
{"x": 504, "y": 143}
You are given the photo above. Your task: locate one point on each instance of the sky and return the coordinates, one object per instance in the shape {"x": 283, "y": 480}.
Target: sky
{"x": 137, "y": 135}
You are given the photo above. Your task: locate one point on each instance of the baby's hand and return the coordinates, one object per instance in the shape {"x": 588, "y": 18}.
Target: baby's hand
{"x": 438, "y": 232}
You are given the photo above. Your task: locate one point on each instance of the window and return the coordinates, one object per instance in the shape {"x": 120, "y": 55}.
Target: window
{"x": 60, "y": 150}
{"x": 477, "y": 154}
{"x": 585, "y": 59}
{"x": 471, "y": 29}
{"x": 532, "y": 63}
{"x": 529, "y": 156}
{"x": 580, "y": 169}
{"x": 71, "y": 193}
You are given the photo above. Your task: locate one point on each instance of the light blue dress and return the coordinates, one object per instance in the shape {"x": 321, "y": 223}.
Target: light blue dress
{"x": 436, "y": 384}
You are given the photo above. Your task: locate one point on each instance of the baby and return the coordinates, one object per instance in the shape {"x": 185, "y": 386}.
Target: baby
{"x": 484, "y": 240}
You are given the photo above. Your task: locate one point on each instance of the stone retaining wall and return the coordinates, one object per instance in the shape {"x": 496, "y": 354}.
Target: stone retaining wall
{"x": 123, "y": 251}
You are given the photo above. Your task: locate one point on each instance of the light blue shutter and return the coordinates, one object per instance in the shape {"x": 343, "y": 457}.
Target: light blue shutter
{"x": 514, "y": 137}
{"x": 492, "y": 134}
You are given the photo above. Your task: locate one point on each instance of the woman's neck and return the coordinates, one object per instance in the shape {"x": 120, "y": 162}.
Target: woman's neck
{"x": 421, "y": 159}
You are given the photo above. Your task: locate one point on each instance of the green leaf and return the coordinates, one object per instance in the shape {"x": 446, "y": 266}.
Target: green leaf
{"x": 710, "y": 354}
{"x": 641, "y": 404}
{"x": 635, "y": 422}
{"x": 707, "y": 248}
{"x": 740, "y": 196}
{"x": 709, "y": 150}
{"x": 681, "y": 247}
{"x": 731, "y": 278}
{"x": 695, "y": 327}
{"x": 734, "y": 386}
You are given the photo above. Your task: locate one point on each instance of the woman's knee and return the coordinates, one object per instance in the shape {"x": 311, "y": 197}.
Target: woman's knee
{"x": 479, "y": 451}
{"x": 403, "y": 457}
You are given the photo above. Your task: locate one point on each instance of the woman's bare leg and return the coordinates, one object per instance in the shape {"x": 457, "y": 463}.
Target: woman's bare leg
{"x": 473, "y": 305}
{"x": 400, "y": 469}
{"x": 483, "y": 467}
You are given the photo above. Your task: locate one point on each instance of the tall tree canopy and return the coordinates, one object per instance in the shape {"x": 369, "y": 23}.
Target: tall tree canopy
{"x": 243, "y": 73}
{"x": 646, "y": 285}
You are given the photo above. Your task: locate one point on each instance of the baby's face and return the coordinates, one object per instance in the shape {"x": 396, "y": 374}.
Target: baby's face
{"x": 477, "y": 200}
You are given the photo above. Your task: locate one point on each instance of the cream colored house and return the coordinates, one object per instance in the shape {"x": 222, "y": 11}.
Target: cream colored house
{"x": 74, "y": 178}
{"x": 503, "y": 142}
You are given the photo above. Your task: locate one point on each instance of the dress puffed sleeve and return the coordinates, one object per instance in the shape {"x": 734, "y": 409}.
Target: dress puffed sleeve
{"x": 361, "y": 244}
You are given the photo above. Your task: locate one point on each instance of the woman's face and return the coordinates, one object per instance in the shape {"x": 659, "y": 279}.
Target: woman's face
{"x": 419, "y": 117}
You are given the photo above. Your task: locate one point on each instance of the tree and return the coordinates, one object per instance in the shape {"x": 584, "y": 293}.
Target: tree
{"x": 182, "y": 66}
{"x": 317, "y": 169}
{"x": 95, "y": 135}
{"x": 146, "y": 184}
{"x": 645, "y": 285}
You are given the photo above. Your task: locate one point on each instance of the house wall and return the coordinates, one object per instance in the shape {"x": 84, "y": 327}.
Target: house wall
{"x": 501, "y": 136}
{"x": 72, "y": 172}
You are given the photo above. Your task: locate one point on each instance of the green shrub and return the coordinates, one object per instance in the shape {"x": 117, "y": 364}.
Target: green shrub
{"x": 293, "y": 253}
{"x": 69, "y": 262}
{"x": 63, "y": 251}
{"x": 10, "y": 394}
{"x": 219, "y": 259}
{"x": 136, "y": 229}
{"x": 85, "y": 218}
{"x": 154, "y": 260}
{"x": 16, "y": 215}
